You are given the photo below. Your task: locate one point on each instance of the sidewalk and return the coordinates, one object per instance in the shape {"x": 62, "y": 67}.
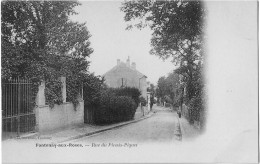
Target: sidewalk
{"x": 188, "y": 131}
{"x": 83, "y": 130}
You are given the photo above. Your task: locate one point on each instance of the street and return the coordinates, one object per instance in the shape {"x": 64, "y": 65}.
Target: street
{"x": 158, "y": 128}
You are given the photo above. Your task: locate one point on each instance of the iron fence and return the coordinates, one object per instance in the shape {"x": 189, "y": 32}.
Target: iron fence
{"x": 17, "y": 107}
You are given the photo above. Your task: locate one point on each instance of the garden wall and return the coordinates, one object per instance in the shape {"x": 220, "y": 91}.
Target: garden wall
{"x": 60, "y": 116}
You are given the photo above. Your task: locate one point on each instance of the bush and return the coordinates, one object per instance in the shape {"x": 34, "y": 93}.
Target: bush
{"x": 196, "y": 108}
{"x": 143, "y": 101}
{"x": 53, "y": 93}
{"x": 132, "y": 92}
{"x": 113, "y": 108}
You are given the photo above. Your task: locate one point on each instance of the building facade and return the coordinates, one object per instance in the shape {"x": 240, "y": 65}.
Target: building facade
{"x": 125, "y": 74}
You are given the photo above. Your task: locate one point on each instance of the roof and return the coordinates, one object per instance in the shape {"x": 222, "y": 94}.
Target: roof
{"x": 122, "y": 64}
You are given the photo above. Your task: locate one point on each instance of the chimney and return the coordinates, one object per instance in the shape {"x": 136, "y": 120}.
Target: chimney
{"x": 118, "y": 61}
{"x": 133, "y": 66}
{"x": 128, "y": 62}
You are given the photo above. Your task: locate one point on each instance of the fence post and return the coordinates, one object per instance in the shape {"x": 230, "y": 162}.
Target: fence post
{"x": 19, "y": 106}
{"x": 40, "y": 101}
{"x": 40, "y": 95}
{"x": 63, "y": 89}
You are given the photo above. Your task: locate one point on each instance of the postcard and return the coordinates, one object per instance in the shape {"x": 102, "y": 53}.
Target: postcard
{"x": 130, "y": 81}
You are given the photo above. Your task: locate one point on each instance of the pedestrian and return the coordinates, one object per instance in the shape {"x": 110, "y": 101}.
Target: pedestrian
{"x": 179, "y": 113}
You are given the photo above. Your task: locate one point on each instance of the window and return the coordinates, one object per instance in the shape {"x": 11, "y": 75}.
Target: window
{"x": 122, "y": 82}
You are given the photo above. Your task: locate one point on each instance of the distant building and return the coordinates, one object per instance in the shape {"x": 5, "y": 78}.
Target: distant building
{"x": 124, "y": 74}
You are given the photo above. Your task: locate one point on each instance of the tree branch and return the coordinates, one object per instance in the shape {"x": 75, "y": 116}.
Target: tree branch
{"x": 30, "y": 14}
{"x": 39, "y": 21}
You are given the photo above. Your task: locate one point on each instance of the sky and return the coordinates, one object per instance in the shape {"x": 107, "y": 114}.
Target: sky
{"x": 111, "y": 41}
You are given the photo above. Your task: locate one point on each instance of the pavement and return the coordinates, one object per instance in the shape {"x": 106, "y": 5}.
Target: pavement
{"x": 82, "y": 130}
{"x": 184, "y": 131}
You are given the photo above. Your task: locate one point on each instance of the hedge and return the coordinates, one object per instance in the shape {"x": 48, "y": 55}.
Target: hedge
{"x": 114, "y": 108}
{"x": 197, "y": 110}
{"x": 132, "y": 92}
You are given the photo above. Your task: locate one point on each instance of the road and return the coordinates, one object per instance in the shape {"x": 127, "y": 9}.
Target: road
{"x": 158, "y": 128}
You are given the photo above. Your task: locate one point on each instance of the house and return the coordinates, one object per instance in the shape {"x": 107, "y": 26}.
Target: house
{"x": 126, "y": 75}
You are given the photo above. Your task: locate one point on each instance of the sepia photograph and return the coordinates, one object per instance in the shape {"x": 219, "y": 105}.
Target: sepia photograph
{"x": 129, "y": 81}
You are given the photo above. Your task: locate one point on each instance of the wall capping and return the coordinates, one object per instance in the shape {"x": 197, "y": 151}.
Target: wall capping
{"x": 42, "y": 106}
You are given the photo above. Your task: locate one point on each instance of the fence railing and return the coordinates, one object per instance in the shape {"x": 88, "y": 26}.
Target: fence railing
{"x": 17, "y": 107}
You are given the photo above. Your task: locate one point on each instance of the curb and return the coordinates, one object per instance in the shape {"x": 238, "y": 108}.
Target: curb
{"x": 102, "y": 130}
{"x": 179, "y": 130}
{"x": 21, "y": 136}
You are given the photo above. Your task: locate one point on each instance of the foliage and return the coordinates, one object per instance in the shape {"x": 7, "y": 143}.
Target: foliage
{"x": 114, "y": 108}
{"x": 177, "y": 30}
{"x": 92, "y": 90}
{"x": 195, "y": 106}
{"x": 143, "y": 101}
{"x": 167, "y": 88}
{"x": 197, "y": 103}
{"x": 177, "y": 26}
{"x": 111, "y": 104}
{"x": 132, "y": 92}
{"x": 53, "y": 93}
{"x": 161, "y": 88}
{"x": 41, "y": 43}
{"x": 151, "y": 89}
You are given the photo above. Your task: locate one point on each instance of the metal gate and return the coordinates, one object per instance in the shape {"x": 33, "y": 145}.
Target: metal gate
{"x": 17, "y": 107}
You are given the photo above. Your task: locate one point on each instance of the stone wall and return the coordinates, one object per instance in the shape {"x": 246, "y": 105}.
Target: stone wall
{"x": 60, "y": 116}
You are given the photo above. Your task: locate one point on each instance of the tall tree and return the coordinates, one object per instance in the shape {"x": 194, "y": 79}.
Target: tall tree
{"x": 173, "y": 83}
{"x": 40, "y": 36}
{"x": 177, "y": 30}
{"x": 167, "y": 88}
{"x": 40, "y": 42}
{"x": 161, "y": 88}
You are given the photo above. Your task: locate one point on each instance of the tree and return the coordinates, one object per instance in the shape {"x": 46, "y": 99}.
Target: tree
{"x": 178, "y": 34}
{"x": 172, "y": 82}
{"x": 161, "y": 88}
{"x": 167, "y": 88}
{"x": 177, "y": 30}
{"x": 41, "y": 43}
{"x": 151, "y": 89}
